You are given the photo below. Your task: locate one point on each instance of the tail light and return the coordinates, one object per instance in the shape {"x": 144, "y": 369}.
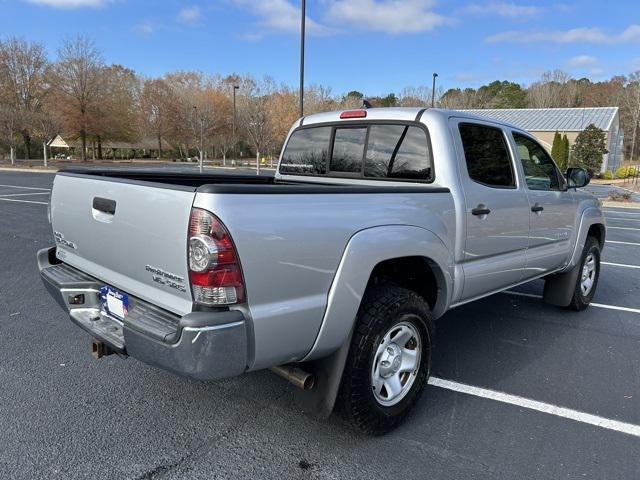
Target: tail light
{"x": 214, "y": 267}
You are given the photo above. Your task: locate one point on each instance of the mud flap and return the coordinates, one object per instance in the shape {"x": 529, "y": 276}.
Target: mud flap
{"x": 559, "y": 288}
{"x": 320, "y": 400}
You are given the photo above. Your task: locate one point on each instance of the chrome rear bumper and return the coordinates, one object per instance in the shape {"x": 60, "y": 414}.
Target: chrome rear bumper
{"x": 201, "y": 345}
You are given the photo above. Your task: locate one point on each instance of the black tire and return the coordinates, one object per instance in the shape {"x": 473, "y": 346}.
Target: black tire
{"x": 382, "y": 308}
{"x": 580, "y": 301}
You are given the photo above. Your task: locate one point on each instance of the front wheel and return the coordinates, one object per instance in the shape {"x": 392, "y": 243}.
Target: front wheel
{"x": 389, "y": 359}
{"x": 587, "y": 281}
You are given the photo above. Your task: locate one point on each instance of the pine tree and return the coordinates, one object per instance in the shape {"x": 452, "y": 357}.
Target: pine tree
{"x": 555, "y": 147}
{"x": 589, "y": 148}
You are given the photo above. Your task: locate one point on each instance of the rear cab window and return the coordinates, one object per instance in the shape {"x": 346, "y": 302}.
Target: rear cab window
{"x": 383, "y": 151}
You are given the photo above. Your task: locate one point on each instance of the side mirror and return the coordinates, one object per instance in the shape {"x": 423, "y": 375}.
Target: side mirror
{"x": 577, "y": 177}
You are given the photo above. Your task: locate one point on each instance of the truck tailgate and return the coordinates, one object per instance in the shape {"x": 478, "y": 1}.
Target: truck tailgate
{"x": 131, "y": 235}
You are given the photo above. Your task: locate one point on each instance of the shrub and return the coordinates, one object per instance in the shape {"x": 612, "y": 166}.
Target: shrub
{"x": 618, "y": 196}
{"x": 607, "y": 175}
{"x": 622, "y": 172}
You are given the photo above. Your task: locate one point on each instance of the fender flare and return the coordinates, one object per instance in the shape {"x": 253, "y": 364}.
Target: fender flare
{"x": 590, "y": 216}
{"x": 365, "y": 250}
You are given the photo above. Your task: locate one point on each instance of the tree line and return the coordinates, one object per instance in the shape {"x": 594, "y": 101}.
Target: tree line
{"x": 86, "y": 100}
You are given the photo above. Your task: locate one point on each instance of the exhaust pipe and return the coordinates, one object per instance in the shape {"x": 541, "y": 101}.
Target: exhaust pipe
{"x": 295, "y": 375}
{"x": 100, "y": 349}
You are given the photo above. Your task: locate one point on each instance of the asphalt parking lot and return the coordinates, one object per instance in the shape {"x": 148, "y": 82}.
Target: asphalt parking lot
{"x": 520, "y": 389}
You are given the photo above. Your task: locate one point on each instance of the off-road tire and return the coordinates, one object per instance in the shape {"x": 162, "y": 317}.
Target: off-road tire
{"x": 579, "y": 301}
{"x": 382, "y": 307}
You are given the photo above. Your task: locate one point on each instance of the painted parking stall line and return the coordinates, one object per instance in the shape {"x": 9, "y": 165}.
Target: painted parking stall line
{"x": 597, "y": 305}
{"x": 558, "y": 411}
{"x": 612, "y": 264}
{"x": 23, "y": 194}
{"x": 622, "y": 228}
{"x": 26, "y": 188}
{"x": 22, "y": 201}
{"x": 623, "y": 243}
{"x": 623, "y": 219}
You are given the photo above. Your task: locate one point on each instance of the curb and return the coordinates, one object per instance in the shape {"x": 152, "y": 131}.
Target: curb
{"x": 32, "y": 170}
{"x": 606, "y": 203}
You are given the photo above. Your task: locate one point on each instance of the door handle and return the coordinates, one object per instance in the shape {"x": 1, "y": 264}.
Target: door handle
{"x": 481, "y": 210}
{"x": 537, "y": 208}
{"x": 104, "y": 205}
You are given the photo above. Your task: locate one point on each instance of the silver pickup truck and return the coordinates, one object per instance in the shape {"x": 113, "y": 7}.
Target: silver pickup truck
{"x": 377, "y": 222}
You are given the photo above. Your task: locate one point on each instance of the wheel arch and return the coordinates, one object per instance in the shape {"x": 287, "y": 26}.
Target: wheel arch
{"x": 371, "y": 254}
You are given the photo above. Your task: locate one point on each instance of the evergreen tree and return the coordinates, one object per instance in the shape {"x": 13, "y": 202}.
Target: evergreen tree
{"x": 589, "y": 148}
{"x": 566, "y": 150}
{"x": 555, "y": 148}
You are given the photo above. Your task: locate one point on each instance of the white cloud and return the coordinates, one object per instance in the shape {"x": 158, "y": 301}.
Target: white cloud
{"x": 467, "y": 77}
{"x": 278, "y": 16}
{"x": 575, "y": 35}
{"x": 504, "y": 9}
{"x": 190, "y": 15}
{"x": 389, "y": 16}
{"x": 582, "y": 61}
{"x": 70, "y": 4}
{"x": 145, "y": 28}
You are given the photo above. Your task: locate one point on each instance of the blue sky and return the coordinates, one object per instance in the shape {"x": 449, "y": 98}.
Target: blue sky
{"x": 375, "y": 46}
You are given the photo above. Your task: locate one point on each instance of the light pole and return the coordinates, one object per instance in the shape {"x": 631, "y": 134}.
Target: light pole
{"x": 433, "y": 91}
{"x": 302, "y": 32}
{"x": 233, "y": 130}
{"x": 201, "y": 163}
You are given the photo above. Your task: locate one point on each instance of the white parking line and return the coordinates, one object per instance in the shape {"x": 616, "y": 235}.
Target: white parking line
{"x": 598, "y": 305}
{"x": 22, "y": 194}
{"x": 623, "y": 243}
{"x": 26, "y": 188}
{"x": 622, "y": 228}
{"x": 620, "y": 265}
{"x": 22, "y": 201}
{"x": 624, "y": 219}
{"x": 576, "y": 415}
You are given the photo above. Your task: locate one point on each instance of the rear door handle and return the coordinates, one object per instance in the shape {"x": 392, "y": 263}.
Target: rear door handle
{"x": 481, "y": 210}
{"x": 104, "y": 205}
{"x": 537, "y": 208}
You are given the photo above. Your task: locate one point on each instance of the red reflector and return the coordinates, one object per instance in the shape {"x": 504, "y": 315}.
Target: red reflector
{"x": 354, "y": 114}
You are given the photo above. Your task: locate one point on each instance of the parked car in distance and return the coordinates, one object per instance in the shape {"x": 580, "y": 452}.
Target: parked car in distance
{"x": 332, "y": 273}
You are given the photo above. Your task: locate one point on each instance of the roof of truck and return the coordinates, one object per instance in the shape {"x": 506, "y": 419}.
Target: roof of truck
{"x": 398, "y": 113}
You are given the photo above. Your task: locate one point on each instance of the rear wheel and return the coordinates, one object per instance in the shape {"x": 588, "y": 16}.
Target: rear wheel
{"x": 587, "y": 281}
{"x": 389, "y": 359}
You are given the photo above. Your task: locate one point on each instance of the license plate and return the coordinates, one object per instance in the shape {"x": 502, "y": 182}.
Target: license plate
{"x": 114, "y": 302}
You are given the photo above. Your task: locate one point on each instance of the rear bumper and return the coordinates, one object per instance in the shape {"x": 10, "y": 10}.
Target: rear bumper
{"x": 201, "y": 345}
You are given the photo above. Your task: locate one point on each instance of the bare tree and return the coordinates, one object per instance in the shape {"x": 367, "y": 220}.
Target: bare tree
{"x": 77, "y": 77}
{"x": 254, "y": 113}
{"x": 22, "y": 84}
{"x": 632, "y": 104}
{"x": 9, "y": 130}
{"x": 157, "y": 101}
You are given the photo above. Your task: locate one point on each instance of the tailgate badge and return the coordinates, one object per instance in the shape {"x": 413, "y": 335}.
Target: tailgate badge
{"x": 62, "y": 241}
{"x": 165, "y": 278}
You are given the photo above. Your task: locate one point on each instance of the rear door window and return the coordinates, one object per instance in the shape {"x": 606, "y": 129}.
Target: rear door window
{"x": 307, "y": 151}
{"x": 348, "y": 150}
{"x": 486, "y": 155}
{"x": 397, "y": 151}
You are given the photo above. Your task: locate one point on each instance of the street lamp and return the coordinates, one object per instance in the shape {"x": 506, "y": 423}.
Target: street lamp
{"x": 433, "y": 91}
{"x": 201, "y": 163}
{"x": 233, "y": 130}
{"x": 302, "y": 31}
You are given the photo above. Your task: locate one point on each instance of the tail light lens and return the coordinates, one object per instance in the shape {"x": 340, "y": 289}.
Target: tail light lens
{"x": 214, "y": 268}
